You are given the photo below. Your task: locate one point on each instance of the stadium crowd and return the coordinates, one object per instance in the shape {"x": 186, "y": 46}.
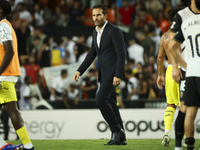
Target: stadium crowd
{"x": 144, "y": 22}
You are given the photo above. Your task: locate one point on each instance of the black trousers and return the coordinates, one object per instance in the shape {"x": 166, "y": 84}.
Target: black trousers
{"x": 107, "y": 103}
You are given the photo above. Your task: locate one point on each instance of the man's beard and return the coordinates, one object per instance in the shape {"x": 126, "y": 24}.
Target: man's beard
{"x": 101, "y": 23}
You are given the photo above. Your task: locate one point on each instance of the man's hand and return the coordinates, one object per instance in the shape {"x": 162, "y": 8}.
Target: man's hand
{"x": 93, "y": 87}
{"x": 116, "y": 81}
{"x": 160, "y": 82}
{"x": 176, "y": 74}
{"x": 76, "y": 76}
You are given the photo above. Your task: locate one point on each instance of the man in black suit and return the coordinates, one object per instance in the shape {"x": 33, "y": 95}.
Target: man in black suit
{"x": 108, "y": 45}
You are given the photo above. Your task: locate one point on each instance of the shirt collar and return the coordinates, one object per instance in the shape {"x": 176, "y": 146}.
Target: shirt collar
{"x": 97, "y": 28}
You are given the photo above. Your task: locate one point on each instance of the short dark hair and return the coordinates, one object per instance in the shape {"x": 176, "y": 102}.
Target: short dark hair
{"x": 129, "y": 71}
{"x": 63, "y": 71}
{"x": 5, "y": 6}
{"x": 173, "y": 12}
{"x": 132, "y": 61}
{"x": 59, "y": 41}
{"x": 72, "y": 85}
{"x": 101, "y": 6}
{"x": 36, "y": 38}
{"x": 26, "y": 79}
{"x": 151, "y": 28}
{"x": 92, "y": 70}
{"x": 197, "y": 2}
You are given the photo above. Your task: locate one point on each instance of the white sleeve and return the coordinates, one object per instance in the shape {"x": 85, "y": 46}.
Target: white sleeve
{"x": 26, "y": 92}
{"x": 5, "y": 32}
{"x": 54, "y": 83}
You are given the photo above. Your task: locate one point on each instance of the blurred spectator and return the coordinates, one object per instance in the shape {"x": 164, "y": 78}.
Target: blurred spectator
{"x": 139, "y": 69}
{"x": 155, "y": 38}
{"x": 132, "y": 85}
{"x": 70, "y": 50}
{"x": 135, "y": 26}
{"x": 153, "y": 6}
{"x": 63, "y": 4}
{"x": 76, "y": 14}
{"x": 72, "y": 97}
{"x": 33, "y": 48}
{"x": 135, "y": 51}
{"x": 37, "y": 32}
{"x": 32, "y": 69}
{"x": 82, "y": 56}
{"x": 58, "y": 54}
{"x": 12, "y": 3}
{"x": 130, "y": 64}
{"x": 151, "y": 76}
{"x": 138, "y": 6}
{"x": 38, "y": 15}
{"x": 147, "y": 43}
{"x": 89, "y": 85}
{"x": 44, "y": 54}
{"x": 23, "y": 71}
{"x": 120, "y": 102}
{"x": 89, "y": 41}
{"x": 144, "y": 17}
{"x": 18, "y": 1}
{"x": 58, "y": 87}
{"x": 163, "y": 23}
{"x": 125, "y": 13}
{"x": 23, "y": 33}
{"x": 143, "y": 90}
{"x": 167, "y": 8}
{"x": 80, "y": 46}
{"x": 152, "y": 61}
{"x": 48, "y": 16}
{"x": 26, "y": 94}
{"x": 23, "y": 13}
{"x": 175, "y": 2}
{"x": 60, "y": 19}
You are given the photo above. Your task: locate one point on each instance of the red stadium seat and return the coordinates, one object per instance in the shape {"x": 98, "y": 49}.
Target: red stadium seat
{"x": 111, "y": 17}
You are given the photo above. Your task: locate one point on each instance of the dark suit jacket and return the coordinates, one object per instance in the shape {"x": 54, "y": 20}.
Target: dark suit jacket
{"x": 111, "y": 53}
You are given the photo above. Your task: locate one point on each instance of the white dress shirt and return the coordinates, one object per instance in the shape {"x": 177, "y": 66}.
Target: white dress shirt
{"x": 99, "y": 33}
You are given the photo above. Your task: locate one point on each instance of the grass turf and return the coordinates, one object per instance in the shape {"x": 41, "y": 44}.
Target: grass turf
{"x": 133, "y": 144}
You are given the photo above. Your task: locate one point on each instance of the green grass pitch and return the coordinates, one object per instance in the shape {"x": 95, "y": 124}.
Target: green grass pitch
{"x": 133, "y": 144}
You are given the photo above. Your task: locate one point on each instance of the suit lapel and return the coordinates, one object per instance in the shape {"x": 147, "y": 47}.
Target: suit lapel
{"x": 95, "y": 41}
{"x": 103, "y": 36}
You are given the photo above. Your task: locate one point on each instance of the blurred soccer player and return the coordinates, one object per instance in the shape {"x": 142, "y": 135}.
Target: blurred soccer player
{"x": 190, "y": 32}
{"x": 9, "y": 72}
{"x": 172, "y": 88}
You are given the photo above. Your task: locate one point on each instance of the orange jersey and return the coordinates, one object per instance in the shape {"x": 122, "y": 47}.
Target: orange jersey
{"x": 13, "y": 68}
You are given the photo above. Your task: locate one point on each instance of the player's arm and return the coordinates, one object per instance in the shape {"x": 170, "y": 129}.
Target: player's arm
{"x": 175, "y": 54}
{"x": 8, "y": 55}
{"x": 160, "y": 60}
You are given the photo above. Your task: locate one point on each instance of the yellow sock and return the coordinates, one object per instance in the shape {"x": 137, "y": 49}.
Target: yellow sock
{"x": 169, "y": 117}
{"x": 23, "y": 135}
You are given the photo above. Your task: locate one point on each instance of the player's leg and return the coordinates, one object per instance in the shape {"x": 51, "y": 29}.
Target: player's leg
{"x": 172, "y": 95}
{"x": 168, "y": 119}
{"x": 179, "y": 123}
{"x": 103, "y": 101}
{"x": 113, "y": 102}
{"x": 18, "y": 124}
{"x": 192, "y": 101}
{"x": 105, "y": 91}
{"x": 179, "y": 126}
{"x": 8, "y": 98}
{"x": 189, "y": 126}
{"x": 2, "y": 142}
{"x": 3, "y": 95}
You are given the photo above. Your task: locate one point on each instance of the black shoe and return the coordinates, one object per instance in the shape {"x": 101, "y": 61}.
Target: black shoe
{"x": 118, "y": 138}
{"x": 29, "y": 149}
{"x": 123, "y": 140}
